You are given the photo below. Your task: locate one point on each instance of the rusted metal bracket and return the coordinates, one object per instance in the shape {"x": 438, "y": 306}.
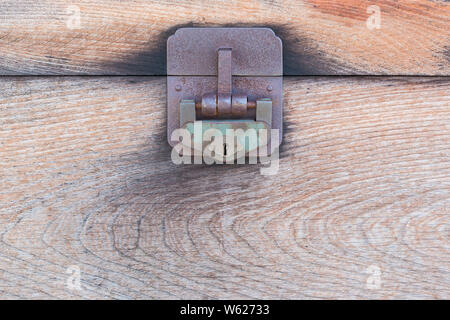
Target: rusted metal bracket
{"x": 227, "y": 78}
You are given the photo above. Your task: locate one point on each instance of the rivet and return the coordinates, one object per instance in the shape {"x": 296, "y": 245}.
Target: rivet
{"x": 269, "y": 88}
{"x": 178, "y": 87}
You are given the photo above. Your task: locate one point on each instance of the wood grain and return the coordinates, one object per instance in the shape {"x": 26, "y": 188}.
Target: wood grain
{"x": 321, "y": 37}
{"x": 87, "y": 181}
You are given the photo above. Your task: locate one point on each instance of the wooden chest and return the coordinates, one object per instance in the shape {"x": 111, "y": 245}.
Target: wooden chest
{"x": 91, "y": 205}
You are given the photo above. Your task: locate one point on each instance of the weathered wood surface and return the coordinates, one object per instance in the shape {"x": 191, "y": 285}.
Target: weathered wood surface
{"x": 127, "y": 37}
{"x": 87, "y": 181}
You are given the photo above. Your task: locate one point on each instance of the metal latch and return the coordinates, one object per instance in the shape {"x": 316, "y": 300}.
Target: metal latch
{"x": 225, "y": 78}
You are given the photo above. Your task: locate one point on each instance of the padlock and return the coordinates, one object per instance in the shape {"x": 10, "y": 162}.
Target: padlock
{"x": 246, "y": 95}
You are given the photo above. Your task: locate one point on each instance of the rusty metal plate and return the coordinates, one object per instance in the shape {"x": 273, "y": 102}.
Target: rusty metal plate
{"x": 193, "y": 51}
{"x": 198, "y": 67}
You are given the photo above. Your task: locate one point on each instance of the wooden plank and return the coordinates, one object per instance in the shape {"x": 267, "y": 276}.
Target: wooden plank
{"x": 358, "y": 209}
{"x": 321, "y": 37}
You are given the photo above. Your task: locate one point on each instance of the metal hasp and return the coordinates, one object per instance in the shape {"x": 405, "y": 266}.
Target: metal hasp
{"x": 227, "y": 78}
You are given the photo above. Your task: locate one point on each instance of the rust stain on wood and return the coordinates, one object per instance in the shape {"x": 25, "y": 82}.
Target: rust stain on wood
{"x": 322, "y": 37}
{"x": 357, "y": 9}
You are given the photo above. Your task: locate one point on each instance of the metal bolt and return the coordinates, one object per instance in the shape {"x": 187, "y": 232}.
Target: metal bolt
{"x": 250, "y": 105}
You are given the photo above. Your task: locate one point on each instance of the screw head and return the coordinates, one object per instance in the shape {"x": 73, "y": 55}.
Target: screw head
{"x": 178, "y": 87}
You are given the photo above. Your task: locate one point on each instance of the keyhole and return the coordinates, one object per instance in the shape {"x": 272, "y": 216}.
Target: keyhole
{"x": 224, "y": 149}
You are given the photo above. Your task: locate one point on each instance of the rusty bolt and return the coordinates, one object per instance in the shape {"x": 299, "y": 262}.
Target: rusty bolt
{"x": 250, "y": 105}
